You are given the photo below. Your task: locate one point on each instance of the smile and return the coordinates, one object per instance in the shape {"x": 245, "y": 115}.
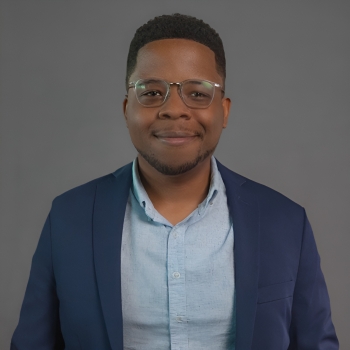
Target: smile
{"x": 176, "y": 138}
{"x": 176, "y": 141}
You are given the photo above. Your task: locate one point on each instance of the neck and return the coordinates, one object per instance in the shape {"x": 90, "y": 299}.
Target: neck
{"x": 190, "y": 187}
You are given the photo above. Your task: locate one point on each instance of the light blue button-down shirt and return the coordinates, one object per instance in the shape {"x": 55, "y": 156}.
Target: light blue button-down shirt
{"x": 178, "y": 280}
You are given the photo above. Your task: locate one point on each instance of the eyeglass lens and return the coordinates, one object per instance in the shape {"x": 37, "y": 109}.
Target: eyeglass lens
{"x": 195, "y": 93}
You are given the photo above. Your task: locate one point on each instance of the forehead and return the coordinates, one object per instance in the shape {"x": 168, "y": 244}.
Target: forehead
{"x": 176, "y": 60}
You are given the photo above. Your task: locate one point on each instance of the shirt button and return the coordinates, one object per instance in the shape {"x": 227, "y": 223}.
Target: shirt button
{"x": 176, "y": 275}
{"x": 179, "y": 319}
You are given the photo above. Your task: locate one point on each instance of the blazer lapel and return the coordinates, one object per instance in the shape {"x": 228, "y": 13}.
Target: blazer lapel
{"x": 245, "y": 216}
{"x": 108, "y": 218}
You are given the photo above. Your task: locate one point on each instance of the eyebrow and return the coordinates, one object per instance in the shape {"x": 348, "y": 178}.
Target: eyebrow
{"x": 195, "y": 81}
{"x": 152, "y": 80}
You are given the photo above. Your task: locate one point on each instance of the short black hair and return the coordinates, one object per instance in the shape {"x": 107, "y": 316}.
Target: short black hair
{"x": 176, "y": 26}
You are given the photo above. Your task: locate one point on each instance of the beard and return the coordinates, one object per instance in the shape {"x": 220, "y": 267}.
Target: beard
{"x": 168, "y": 169}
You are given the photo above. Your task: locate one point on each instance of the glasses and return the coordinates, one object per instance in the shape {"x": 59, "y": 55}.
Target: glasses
{"x": 194, "y": 93}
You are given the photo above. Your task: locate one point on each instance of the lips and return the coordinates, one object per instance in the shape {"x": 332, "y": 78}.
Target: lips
{"x": 176, "y": 138}
{"x": 175, "y": 134}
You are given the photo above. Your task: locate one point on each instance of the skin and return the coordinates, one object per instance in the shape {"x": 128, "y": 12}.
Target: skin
{"x": 176, "y": 176}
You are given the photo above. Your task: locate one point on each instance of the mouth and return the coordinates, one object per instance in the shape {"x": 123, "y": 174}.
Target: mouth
{"x": 176, "y": 138}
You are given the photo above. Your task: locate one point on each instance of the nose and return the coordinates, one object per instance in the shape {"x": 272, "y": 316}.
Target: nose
{"x": 174, "y": 107}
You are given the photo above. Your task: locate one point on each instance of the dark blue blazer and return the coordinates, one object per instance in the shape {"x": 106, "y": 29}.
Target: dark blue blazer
{"x": 73, "y": 297}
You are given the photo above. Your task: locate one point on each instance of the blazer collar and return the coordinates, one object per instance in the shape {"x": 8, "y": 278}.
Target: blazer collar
{"x": 108, "y": 218}
{"x": 245, "y": 217}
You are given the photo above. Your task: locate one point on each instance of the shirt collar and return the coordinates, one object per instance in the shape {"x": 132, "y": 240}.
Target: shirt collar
{"x": 144, "y": 201}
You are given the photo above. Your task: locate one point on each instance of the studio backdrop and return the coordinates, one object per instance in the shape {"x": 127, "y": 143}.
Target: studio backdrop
{"x": 62, "y": 85}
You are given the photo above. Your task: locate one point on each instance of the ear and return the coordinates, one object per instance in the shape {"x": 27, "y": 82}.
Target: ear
{"x": 125, "y": 107}
{"x": 226, "y": 105}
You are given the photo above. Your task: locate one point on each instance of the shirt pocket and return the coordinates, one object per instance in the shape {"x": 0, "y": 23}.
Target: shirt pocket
{"x": 275, "y": 292}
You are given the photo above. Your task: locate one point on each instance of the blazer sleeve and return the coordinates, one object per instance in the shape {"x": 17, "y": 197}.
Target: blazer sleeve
{"x": 311, "y": 326}
{"x": 39, "y": 324}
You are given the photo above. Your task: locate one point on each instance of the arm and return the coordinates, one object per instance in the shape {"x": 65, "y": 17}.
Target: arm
{"x": 39, "y": 325}
{"x": 311, "y": 326}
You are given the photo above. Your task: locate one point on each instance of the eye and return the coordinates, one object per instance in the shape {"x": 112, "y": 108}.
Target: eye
{"x": 152, "y": 93}
{"x": 198, "y": 95}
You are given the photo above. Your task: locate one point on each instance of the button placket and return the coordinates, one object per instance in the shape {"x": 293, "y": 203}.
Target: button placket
{"x": 177, "y": 288}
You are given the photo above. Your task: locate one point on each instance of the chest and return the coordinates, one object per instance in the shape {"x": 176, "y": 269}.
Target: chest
{"x": 177, "y": 282}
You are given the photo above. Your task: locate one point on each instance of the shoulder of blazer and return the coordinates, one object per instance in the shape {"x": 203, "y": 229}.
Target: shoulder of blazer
{"x": 84, "y": 194}
{"x": 266, "y": 197}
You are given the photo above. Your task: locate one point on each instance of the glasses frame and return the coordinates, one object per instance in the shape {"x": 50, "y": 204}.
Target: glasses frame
{"x": 179, "y": 85}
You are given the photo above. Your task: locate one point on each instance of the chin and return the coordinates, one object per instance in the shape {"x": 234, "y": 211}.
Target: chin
{"x": 174, "y": 167}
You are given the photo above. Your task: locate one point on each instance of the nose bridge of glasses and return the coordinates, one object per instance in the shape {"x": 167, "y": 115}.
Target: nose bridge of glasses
{"x": 178, "y": 87}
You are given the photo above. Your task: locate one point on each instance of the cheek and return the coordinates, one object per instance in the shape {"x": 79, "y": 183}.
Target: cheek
{"x": 136, "y": 121}
{"x": 139, "y": 129}
{"x": 214, "y": 123}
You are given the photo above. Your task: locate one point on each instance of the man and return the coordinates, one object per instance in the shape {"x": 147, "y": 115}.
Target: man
{"x": 175, "y": 251}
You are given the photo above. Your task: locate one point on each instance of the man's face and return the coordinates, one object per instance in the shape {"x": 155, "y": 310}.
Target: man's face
{"x": 153, "y": 130}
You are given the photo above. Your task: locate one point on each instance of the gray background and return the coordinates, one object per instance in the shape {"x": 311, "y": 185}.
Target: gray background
{"x": 62, "y": 85}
